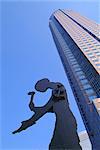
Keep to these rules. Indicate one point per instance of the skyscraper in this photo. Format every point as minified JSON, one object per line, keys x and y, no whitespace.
{"x":77,"y":41}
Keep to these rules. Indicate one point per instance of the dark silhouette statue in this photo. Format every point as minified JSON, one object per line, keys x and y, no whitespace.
{"x":65,"y":133}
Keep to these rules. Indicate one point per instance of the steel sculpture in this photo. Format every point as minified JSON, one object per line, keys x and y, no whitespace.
{"x":65,"y":133}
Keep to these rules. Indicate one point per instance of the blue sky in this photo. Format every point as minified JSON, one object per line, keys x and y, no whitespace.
{"x":29,"y":54}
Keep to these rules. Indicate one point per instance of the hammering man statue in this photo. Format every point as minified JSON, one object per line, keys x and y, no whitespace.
{"x":65,"y":133}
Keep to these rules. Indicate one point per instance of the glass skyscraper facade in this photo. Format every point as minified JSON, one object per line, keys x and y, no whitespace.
{"x":78,"y":44}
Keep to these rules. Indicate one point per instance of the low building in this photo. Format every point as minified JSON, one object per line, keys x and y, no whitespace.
{"x":84,"y":141}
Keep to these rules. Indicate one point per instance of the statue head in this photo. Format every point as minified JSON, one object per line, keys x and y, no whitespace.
{"x":43,"y":84}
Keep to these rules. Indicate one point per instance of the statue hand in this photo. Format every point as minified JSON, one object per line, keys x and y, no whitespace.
{"x":25,"y":125}
{"x":31,"y":93}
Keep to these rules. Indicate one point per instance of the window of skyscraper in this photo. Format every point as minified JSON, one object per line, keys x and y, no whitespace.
{"x":77,"y":69}
{"x":97,"y":52}
{"x":80,"y":73}
{"x":86,"y":50}
{"x":92,"y":97}
{"x":94,"y":49}
{"x":84,"y":81}
{"x":86,"y":86}
{"x":91,"y":46}
{"x":90,"y":54}
{"x":95,"y":60}
{"x":75,"y":65}
{"x":89,"y":91}
{"x":97,"y":64}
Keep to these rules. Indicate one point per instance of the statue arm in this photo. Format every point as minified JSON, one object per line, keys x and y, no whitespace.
{"x":31,"y":104}
{"x":38,"y":114}
{"x":32,"y":107}
{"x":36,"y":109}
